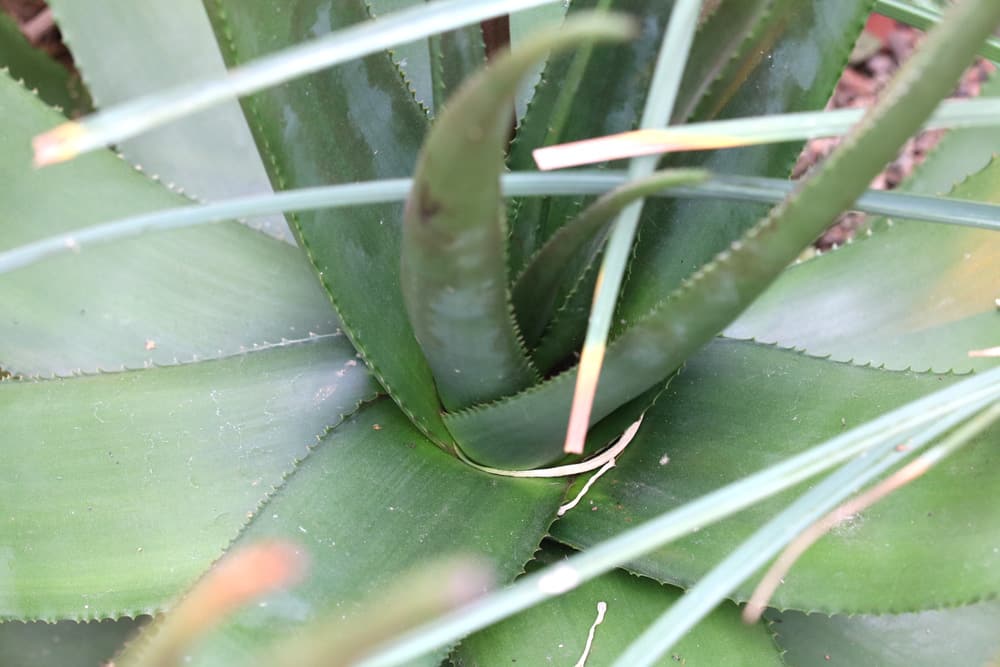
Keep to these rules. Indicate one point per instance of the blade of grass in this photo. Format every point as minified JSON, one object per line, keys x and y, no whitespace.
{"x":905,"y":475}
{"x":766,"y":542}
{"x":728,"y":500}
{"x":520,"y":184}
{"x":131,"y":118}
{"x":752,"y":131}
{"x":659,"y":107}
{"x":925,"y":19}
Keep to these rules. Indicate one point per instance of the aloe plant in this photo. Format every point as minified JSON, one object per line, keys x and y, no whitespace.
{"x":393,"y":388}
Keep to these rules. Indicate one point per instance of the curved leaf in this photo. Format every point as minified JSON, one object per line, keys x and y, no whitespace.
{"x":353,"y":122}
{"x":610,"y":83}
{"x":131,"y":304}
{"x":764,"y":404}
{"x":147,"y":475}
{"x":454,"y":269}
{"x":556,"y":631}
{"x":790,"y":60}
{"x":374,"y":499}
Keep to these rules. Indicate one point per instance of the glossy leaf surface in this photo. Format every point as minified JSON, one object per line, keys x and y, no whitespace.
{"x":795,"y":51}
{"x":956,"y":636}
{"x":610,"y":83}
{"x":147,"y":475}
{"x":354,"y":122}
{"x":195,"y":293}
{"x":764,"y":404}
{"x":372,"y":501}
{"x":556,"y":632}
{"x":127,"y":49}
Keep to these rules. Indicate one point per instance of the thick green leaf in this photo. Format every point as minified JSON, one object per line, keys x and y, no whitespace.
{"x":555,"y":270}
{"x":145,"y":476}
{"x":353,"y":122}
{"x":414,"y":58}
{"x":127,"y":49}
{"x":912,"y":295}
{"x":556,"y":632}
{"x":63,"y":644}
{"x":201,"y":292}
{"x":791,"y":59}
{"x":957,"y":636}
{"x":454,"y":268}
{"x":371,"y":502}
{"x":53,"y":81}
{"x":610,"y":84}
{"x":738,"y":407}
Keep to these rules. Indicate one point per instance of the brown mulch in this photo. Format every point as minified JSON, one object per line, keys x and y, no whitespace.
{"x":884,"y":46}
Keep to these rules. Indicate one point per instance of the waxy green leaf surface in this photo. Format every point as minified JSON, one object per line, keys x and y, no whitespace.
{"x":146,"y":476}
{"x":738,"y":407}
{"x":177,"y":296}
{"x":354,"y":122}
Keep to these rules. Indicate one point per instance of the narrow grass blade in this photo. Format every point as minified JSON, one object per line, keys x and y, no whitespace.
{"x":766,"y":542}
{"x":454,"y":265}
{"x":659,"y":108}
{"x":522,"y":184}
{"x":713,"y":135}
{"x":127,"y":120}
{"x":573,"y":248}
{"x":924,"y":18}
{"x":679,"y":522}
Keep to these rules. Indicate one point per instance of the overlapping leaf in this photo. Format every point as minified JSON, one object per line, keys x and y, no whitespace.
{"x":739,"y":407}
{"x":956,"y":636}
{"x":126,"y":49}
{"x":54,"y":82}
{"x":354,"y":122}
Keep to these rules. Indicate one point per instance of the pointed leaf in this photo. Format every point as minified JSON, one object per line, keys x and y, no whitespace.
{"x":790,"y":60}
{"x":454,"y":269}
{"x":353,"y":122}
{"x":764,"y":404}
{"x":374,"y":499}
{"x":131,"y":304}
{"x":553,"y":272}
{"x":147,"y":475}
{"x":556,"y":632}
